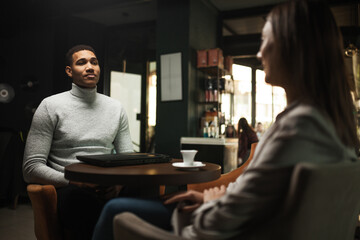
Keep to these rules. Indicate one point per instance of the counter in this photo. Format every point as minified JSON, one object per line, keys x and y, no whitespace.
{"x":222,"y":151}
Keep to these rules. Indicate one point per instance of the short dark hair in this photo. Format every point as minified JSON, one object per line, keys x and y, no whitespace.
{"x":77,"y":48}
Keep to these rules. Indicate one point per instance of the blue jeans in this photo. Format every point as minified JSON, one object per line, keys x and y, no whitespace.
{"x":152,"y":211}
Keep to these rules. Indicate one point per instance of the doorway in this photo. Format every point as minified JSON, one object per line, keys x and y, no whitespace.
{"x":151,"y":107}
{"x":138,"y":97}
{"x":126,"y":87}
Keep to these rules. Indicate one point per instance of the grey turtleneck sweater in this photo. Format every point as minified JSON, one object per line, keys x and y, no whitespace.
{"x":77,"y":122}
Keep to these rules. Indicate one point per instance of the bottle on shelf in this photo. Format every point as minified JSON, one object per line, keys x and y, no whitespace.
{"x":206,"y":130}
{"x":213,"y":128}
{"x":215,"y":95}
{"x":212,"y":131}
{"x":216,"y":127}
{"x":209,"y":94}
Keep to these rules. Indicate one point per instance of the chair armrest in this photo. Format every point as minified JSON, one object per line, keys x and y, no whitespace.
{"x":225,"y":179}
{"x":44,"y":203}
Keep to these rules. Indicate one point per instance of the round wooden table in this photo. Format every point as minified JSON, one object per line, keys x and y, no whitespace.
{"x":140,"y":175}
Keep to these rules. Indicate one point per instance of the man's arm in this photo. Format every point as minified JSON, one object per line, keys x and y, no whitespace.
{"x":38,"y":144}
{"x":123,"y":141}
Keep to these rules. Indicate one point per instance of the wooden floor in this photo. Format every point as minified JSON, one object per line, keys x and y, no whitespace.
{"x":17,"y":224}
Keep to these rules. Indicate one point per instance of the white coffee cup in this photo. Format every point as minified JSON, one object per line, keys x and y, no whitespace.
{"x":188,"y":156}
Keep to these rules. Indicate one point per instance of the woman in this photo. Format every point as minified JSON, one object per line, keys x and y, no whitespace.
{"x":301,"y":51}
{"x":247,"y":136}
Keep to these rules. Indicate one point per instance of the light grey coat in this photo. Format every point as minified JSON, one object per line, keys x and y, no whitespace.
{"x":300,"y":134}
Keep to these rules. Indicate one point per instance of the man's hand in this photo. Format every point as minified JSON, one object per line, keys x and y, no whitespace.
{"x":214,"y":193}
{"x":191,"y":200}
{"x":104,"y":192}
{"x":110,"y":192}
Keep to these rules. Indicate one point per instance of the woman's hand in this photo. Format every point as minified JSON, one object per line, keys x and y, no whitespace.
{"x":191,"y":200}
{"x":214,"y":193}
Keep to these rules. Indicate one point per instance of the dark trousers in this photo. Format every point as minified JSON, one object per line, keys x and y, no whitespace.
{"x":151,"y":210}
{"x":78,"y":210}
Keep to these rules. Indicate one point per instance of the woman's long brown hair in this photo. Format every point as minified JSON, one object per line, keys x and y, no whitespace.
{"x":244,"y":125}
{"x":311,"y":49}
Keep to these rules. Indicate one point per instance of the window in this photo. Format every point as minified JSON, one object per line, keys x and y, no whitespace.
{"x":242,"y":92}
{"x":152,"y":82}
{"x":270,"y":101}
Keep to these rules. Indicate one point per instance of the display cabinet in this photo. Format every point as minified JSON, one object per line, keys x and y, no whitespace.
{"x":214,"y":83}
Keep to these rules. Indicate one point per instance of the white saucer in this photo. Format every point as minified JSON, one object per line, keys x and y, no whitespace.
{"x":183,"y":166}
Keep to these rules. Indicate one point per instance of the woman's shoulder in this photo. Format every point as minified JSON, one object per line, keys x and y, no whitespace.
{"x":301,"y":112}
{"x":307,"y":121}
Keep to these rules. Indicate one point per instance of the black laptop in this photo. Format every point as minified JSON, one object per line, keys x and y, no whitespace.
{"x":123,"y":159}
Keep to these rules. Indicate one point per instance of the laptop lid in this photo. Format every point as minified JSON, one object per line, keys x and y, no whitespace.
{"x":123,"y":159}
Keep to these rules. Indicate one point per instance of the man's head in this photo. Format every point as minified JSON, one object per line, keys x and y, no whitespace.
{"x":82,"y":66}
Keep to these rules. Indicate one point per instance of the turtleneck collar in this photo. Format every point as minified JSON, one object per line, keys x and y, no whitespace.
{"x":88,"y":94}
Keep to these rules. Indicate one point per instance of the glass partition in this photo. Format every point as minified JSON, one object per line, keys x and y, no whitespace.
{"x":270,"y":101}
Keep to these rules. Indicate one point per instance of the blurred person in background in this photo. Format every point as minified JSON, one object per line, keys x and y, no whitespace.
{"x":259,"y":129}
{"x":247,"y":136}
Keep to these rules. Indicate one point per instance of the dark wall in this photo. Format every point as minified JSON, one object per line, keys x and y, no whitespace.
{"x":134,"y":43}
{"x":26,"y":56}
{"x":33,"y":47}
{"x":182,"y":26}
{"x":68,"y":32}
{"x":129,"y":47}
{"x":171,"y":118}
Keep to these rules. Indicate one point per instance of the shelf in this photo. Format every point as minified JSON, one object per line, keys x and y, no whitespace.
{"x":213,"y":102}
{"x":213,"y":71}
{"x":212,"y":85}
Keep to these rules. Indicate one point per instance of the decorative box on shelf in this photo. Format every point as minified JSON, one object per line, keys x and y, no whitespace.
{"x":210,"y":58}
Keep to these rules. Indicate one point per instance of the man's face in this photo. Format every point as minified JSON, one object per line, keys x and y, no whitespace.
{"x":84,"y":70}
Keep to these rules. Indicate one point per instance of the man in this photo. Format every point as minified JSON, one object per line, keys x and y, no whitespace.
{"x":77,"y":122}
{"x":259,"y":130}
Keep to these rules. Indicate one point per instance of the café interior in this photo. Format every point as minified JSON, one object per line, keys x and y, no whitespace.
{"x":212,"y":43}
